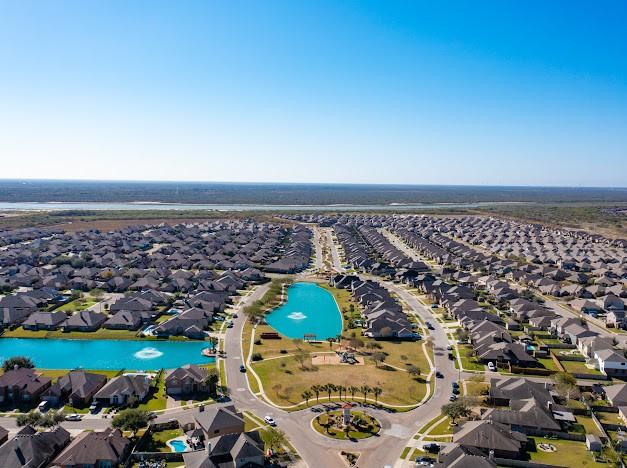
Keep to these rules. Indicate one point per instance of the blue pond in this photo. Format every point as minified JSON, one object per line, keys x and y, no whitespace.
{"x":309,"y":309}
{"x":105,"y":354}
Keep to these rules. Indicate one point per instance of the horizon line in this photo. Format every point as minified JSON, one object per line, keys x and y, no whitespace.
{"x":355,"y":184}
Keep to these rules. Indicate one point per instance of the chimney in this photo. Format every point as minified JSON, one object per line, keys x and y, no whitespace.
{"x":549,"y":405}
{"x":491,"y":455}
{"x":208,"y":447}
{"x":201,"y":408}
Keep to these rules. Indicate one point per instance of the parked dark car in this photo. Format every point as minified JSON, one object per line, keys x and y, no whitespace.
{"x":432,"y":447}
{"x":242,"y":368}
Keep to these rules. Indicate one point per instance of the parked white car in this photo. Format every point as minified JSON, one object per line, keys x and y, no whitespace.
{"x":491,"y":367}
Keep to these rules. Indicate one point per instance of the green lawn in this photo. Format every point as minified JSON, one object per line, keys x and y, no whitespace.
{"x":156,"y":399}
{"x":81,"y":303}
{"x":569,"y":453}
{"x":157,"y":440}
{"x":548,"y":363}
{"x":585,"y":425}
{"x":442,"y":428}
{"x":469,"y":363}
{"x":578,"y":367}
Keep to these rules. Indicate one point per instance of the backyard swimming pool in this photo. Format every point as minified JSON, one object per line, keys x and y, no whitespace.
{"x":309,"y":309}
{"x":105,"y":354}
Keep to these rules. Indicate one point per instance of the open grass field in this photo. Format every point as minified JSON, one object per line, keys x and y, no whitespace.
{"x":284,"y":381}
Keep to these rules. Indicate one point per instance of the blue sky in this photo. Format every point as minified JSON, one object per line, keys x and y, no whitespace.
{"x":496,"y":92}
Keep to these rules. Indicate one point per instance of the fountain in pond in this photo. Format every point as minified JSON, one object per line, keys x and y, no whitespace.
{"x":297,"y":316}
{"x":148,"y":353}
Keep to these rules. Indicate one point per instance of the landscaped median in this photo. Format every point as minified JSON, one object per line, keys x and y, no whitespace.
{"x":356,"y":425}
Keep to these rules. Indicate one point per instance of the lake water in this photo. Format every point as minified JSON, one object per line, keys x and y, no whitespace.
{"x":105,"y":354}
{"x":309,"y":309}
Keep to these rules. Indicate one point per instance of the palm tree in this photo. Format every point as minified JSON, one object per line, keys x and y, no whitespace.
{"x":330,"y":340}
{"x":307,"y":394}
{"x":365,"y":389}
{"x":317,"y":389}
{"x":330,"y":388}
{"x":377,"y":391}
{"x":341,"y":388}
{"x":353,"y":390}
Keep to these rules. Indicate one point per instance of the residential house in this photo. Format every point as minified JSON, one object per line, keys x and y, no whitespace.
{"x":32,"y":449}
{"x":85,"y":321}
{"x":123,"y":389}
{"x":187,"y":380}
{"x":44,"y":321}
{"x":238,"y":450}
{"x":91,"y":449}
{"x":22,"y":384}
{"x":77,"y":387}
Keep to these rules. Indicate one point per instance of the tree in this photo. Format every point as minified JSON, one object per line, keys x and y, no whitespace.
{"x":377,"y":357}
{"x":298,"y":343}
{"x":352,"y":389}
{"x":31,"y":418}
{"x":307,"y":394}
{"x":213,"y":341}
{"x":131,"y":420}
{"x":565,"y":384}
{"x":340,"y":389}
{"x":377,"y":391}
{"x":413,"y":371}
{"x":301,"y":357}
{"x":365,"y":389}
{"x":456,"y":409}
{"x":211,"y":380}
{"x":52,"y":418}
{"x":330,"y":388}
{"x":356,"y":343}
{"x":275,"y":438}
{"x":370,"y":345}
{"x":19,"y":361}
{"x":317,"y":389}
{"x":331,"y":340}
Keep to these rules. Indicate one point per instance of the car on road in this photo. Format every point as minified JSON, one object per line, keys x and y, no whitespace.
{"x":229,"y":324}
{"x":439,"y":374}
{"x":73,"y":417}
{"x":455,"y":390}
{"x":234,"y":315}
{"x":451,"y":357}
{"x":432,"y":447}
{"x":270,"y":421}
{"x":491,"y":367}
{"x":425,"y":461}
{"x":453,"y":397}
{"x":429,"y":325}
{"x":242,"y":368}
{"x":449,"y":348}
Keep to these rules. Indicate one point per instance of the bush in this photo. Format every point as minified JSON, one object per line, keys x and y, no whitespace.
{"x":283,"y":351}
{"x":258,"y":342}
{"x":256,"y":357}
